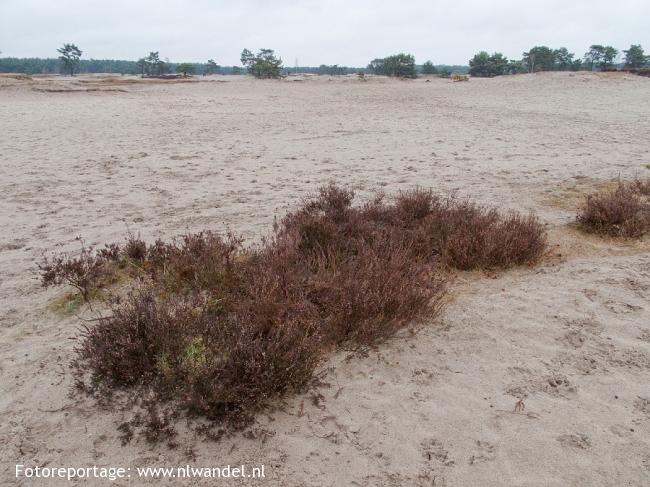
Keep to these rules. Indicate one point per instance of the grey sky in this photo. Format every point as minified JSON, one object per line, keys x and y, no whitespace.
{"x":345,"y":32}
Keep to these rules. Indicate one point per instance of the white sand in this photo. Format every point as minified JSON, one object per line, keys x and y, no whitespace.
{"x":571,"y":337}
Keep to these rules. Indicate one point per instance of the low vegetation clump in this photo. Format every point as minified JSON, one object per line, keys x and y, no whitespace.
{"x":220,"y":330}
{"x":86,"y":272}
{"x":623,"y":212}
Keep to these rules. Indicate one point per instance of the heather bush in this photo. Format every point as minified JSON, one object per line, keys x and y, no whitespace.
{"x":194,"y":261}
{"x":85,"y":272}
{"x":135,"y":248}
{"x":220,"y":330}
{"x":624,"y":212}
{"x":642,"y":187}
{"x":473,"y":237}
{"x":223,"y":366}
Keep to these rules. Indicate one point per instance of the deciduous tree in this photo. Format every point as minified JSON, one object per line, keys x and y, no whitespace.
{"x":264,"y":64}
{"x":400,"y":65}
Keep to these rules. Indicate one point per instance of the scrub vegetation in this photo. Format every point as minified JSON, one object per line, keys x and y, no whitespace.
{"x":215,"y":329}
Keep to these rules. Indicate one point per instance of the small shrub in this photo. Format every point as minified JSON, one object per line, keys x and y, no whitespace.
{"x":110,"y":253}
{"x":473,"y":237}
{"x":85,"y":272}
{"x":624,"y":212}
{"x":642,"y":187}
{"x":135,"y":248}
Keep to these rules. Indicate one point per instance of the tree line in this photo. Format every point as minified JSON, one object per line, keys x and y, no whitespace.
{"x":265,"y":64}
{"x":543,"y":58}
{"x":116,"y":66}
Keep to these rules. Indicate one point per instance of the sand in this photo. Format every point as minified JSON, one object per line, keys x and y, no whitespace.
{"x":94,"y":156}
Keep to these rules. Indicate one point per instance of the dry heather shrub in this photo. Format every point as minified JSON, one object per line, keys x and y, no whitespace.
{"x":135,"y":248}
{"x":218,"y":365}
{"x":194,"y":261}
{"x":465,"y":235}
{"x":219,"y":331}
{"x":642,"y":187}
{"x":87,"y":271}
{"x":624,"y":212}
{"x":369,"y":297}
{"x":474,"y":237}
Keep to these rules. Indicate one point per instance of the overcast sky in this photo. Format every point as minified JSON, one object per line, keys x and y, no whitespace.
{"x":344,"y":32}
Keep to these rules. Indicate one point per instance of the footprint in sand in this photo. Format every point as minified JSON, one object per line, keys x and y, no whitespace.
{"x":646,"y":462}
{"x":639,"y":288}
{"x":590,"y":294}
{"x":433,"y":449}
{"x":580,"y":331}
{"x":558,"y":385}
{"x":630,"y":358}
{"x":578,"y":440}
{"x":621,"y":308}
{"x":486,"y":452}
{"x":422,"y":377}
{"x":573,"y":339}
{"x":16,"y":244}
{"x":555,"y":385}
{"x":587,"y":325}
{"x":622,"y":430}
{"x":642,"y":405}
{"x":645,"y":336}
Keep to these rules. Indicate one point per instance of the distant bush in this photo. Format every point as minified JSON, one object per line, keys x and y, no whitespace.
{"x":624,"y":212}
{"x":399,"y":65}
{"x":428,"y":68}
{"x":185,"y":69}
{"x":332,"y":70}
{"x":484,"y":65}
{"x":219,"y":330}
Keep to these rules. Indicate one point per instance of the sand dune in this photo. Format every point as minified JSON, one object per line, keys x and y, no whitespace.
{"x":92,"y":156}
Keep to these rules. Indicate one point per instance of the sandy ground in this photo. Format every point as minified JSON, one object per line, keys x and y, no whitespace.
{"x":571,"y":338}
